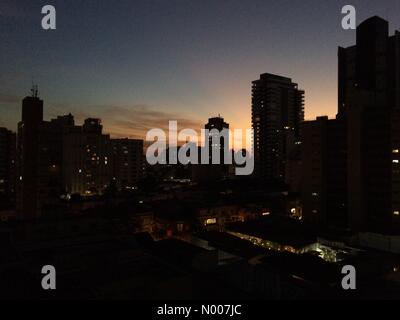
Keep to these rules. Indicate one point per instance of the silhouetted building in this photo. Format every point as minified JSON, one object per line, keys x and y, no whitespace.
{"x":368,"y":117}
{"x":88,"y":156}
{"x":28,"y":204}
{"x":52,"y":133}
{"x":128,"y":162}
{"x":7,"y":163}
{"x":369,"y":97}
{"x":277,"y":111}
{"x":217,"y":143}
{"x":324,"y":171}
{"x":39,"y":158}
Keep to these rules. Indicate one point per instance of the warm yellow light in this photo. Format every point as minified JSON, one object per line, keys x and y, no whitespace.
{"x":266,"y":213}
{"x":211,"y":221}
{"x":396,"y":151}
{"x":396,"y":213}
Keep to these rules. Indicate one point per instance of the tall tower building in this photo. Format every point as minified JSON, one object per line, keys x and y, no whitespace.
{"x":369,"y":91}
{"x":351,"y":163}
{"x":28,"y":205}
{"x":216,"y":141}
{"x":39,"y":159}
{"x":277,"y":112}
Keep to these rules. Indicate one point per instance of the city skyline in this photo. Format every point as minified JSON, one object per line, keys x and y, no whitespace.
{"x":108,"y":191}
{"x":194,"y":70}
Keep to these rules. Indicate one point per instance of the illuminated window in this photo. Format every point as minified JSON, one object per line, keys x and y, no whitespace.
{"x":395,"y":161}
{"x":396,"y":151}
{"x":396,"y":213}
{"x":211,"y":221}
{"x":266,"y":213}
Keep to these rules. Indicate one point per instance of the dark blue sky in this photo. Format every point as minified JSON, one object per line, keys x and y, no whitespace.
{"x":137,"y":64}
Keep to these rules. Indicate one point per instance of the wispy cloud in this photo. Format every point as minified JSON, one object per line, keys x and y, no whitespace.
{"x":137,"y":120}
{"x":132,"y":121}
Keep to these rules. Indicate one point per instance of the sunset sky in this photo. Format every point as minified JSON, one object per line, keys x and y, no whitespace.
{"x":138,"y":64}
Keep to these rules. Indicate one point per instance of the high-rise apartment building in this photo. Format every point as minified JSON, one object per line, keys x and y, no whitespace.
{"x":57,"y":157}
{"x":277,"y":112}
{"x":362,"y":170}
{"x":28,"y":160}
{"x":88,"y":167}
{"x":369,"y":97}
{"x":217,"y":142}
{"x":324,"y":172}
{"x":128,"y":162}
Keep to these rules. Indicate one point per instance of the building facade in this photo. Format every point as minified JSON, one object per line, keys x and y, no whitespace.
{"x":7,"y":163}
{"x":368,"y":119}
{"x":28,"y":160}
{"x":369,"y":97}
{"x":324,"y":170}
{"x":128,"y":162}
{"x":217,"y":141}
{"x":58,"y":158}
{"x":277,"y":112}
{"x":88,"y":167}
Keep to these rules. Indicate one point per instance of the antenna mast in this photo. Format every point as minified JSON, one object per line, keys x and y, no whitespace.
{"x":34,"y":90}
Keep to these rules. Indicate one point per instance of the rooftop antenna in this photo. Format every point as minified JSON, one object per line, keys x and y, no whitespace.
{"x":34,"y":90}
